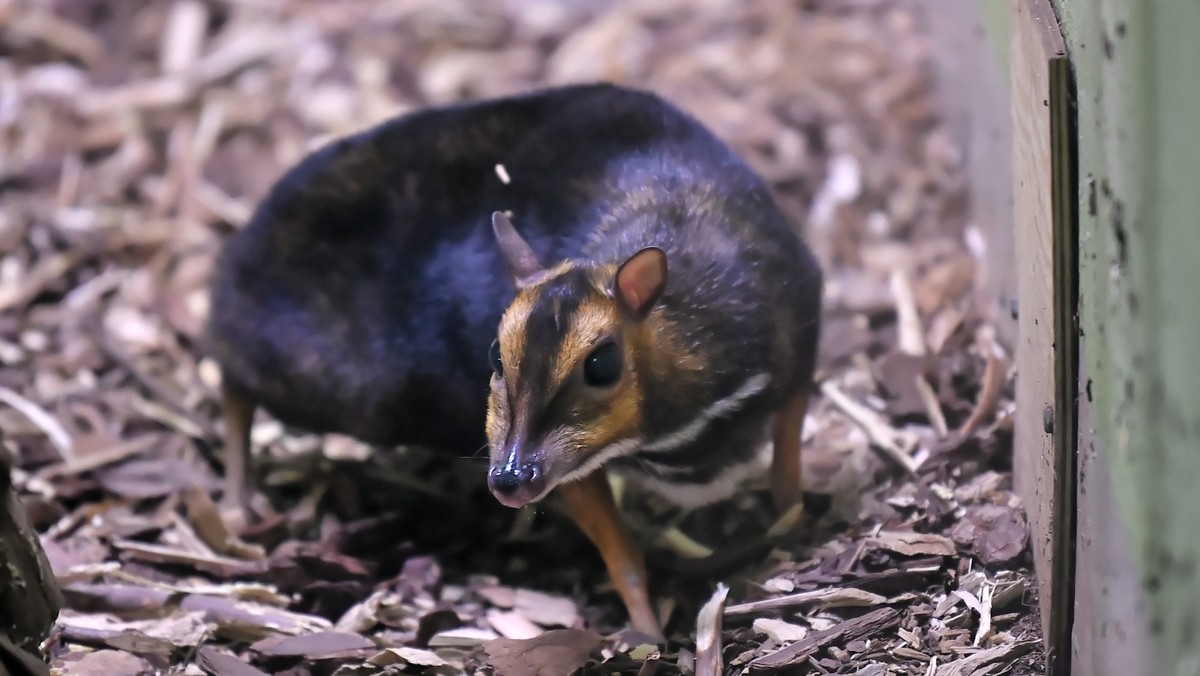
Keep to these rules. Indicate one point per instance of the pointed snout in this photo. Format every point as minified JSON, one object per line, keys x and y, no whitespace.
{"x":516,"y":481}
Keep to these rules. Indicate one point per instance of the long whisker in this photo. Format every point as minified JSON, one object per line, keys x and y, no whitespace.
{"x":475,"y":455}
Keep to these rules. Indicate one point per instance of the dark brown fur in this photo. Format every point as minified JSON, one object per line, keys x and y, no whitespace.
{"x":363,"y":295}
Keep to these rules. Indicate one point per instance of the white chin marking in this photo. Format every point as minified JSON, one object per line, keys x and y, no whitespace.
{"x":617,"y":449}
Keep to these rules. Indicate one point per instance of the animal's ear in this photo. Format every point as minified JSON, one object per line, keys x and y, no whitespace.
{"x":519,"y":259}
{"x":640,"y":281}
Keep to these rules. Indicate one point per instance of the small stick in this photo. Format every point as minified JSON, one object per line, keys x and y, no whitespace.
{"x":908,"y":321}
{"x":99,"y":458}
{"x":883,"y":436}
{"x":158,"y":389}
{"x":828,"y":598}
{"x":932,"y":407}
{"x":982,"y":605}
{"x":47,"y":423}
{"x":993,"y":382}
{"x":47,"y":270}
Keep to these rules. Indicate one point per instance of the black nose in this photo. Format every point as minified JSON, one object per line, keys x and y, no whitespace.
{"x":510,"y":478}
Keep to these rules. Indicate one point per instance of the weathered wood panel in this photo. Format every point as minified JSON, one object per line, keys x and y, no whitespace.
{"x":1043,"y":203}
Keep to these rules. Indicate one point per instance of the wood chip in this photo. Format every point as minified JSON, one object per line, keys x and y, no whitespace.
{"x":405,"y":655}
{"x":95,"y":459}
{"x":247,"y":621}
{"x":874,"y":622}
{"x":513,"y":625}
{"x":986,"y":662}
{"x":982,"y":607}
{"x":828,"y":598}
{"x":780,"y":631}
{"x":546,"y":609}
{"x":914,"y":544}
{"x":911,"y":335}
{"x":216,"y":662}
{"x":501,"y":597}
{"x":319,"y":645}
{"x":708,"y":634}
{"x":557,"y":652}
{"x":217,"y":565}
{"x":110,"y":663}
{"x":464,"y":637}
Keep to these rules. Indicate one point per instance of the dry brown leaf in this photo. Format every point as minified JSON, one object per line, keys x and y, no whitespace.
{"x":997,"y":534}
{"x":554,"y":653}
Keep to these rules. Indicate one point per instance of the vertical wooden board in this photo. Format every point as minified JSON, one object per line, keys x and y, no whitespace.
{"x":1042,"y":194}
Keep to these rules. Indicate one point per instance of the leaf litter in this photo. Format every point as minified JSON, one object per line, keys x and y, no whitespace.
{"x":136,"y":136}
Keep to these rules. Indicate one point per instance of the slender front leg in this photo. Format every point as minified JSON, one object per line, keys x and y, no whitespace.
{"x":786,"y":472}
{"x":590,"y":503}
{"x":238,"y":411}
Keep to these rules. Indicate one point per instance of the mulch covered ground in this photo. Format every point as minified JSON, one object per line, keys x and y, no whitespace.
{"x":136,"y":135}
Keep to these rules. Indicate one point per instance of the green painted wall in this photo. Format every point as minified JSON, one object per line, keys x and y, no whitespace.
{"x":1137,"y":66}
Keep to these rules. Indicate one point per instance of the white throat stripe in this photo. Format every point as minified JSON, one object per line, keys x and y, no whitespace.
{"x":720,"y":408}
{"x":680,"y":437}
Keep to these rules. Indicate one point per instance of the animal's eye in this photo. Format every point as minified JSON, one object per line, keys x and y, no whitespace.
{"x":603,"y":366}
{"x":494,"y":358}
